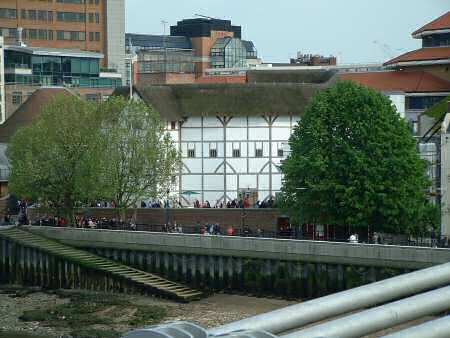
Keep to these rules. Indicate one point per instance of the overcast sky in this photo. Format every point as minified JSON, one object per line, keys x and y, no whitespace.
{"x":356,"y":31}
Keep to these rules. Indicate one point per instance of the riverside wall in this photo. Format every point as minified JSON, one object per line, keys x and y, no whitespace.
{"x":286,"y":268}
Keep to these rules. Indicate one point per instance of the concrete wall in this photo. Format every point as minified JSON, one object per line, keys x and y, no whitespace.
{"x":115,"y":39}
{"x":252,"y":248}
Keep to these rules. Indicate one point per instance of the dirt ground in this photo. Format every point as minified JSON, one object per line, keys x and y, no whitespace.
{"x":213,"y":311}
{"x":210,"y":312}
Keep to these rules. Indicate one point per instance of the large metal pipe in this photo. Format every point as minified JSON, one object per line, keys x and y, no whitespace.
{"x":382,"y":317}
{"x":299,"y":315}
{"x":435,"y":329}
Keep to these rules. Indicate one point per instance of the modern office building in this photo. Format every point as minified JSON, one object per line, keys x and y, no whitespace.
{"x":91,"y":25}
{"x":193,"y":46}
{"x":26,"y":69}
{"x":161,"y":59}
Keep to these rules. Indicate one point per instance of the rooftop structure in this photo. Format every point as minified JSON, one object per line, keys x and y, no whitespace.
{"x":195,"y":28}
{"x":435,"y":49}
{"x":26,"y":69}
{"x":148,"y":41}
{"x":58,"y":67}
{"x":193,"y":46}
{"x":96,"y":26}
{"x":395,"y":81}
{"x":313,"y":60}
{"x":440,"y":25}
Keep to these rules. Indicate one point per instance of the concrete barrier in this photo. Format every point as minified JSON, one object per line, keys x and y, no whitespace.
{"x":258,"y":248}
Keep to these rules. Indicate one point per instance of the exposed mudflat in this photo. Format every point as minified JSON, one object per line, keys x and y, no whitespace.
{"x":213,"y":311}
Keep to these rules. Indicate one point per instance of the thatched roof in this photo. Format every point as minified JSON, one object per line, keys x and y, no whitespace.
{"x":29,"y":111}
{"x":175,"y":102}
{"x":290,"y":76}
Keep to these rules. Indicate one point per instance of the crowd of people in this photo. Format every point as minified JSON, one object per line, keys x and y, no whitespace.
{"x":172,"y":203}
{"x":86,"y":222}
{"x":235,"y":204}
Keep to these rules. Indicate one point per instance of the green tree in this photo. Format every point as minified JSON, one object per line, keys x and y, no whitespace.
{"x":55,"y":160}
{"x":140,"y":158}
{"x":354,"y":163}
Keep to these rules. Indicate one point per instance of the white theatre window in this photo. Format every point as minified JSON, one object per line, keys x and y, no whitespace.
{"x":213,"y":150}
{"x":258,"y":149}
{"x":191,"y":150}
{"x":236,"y":149}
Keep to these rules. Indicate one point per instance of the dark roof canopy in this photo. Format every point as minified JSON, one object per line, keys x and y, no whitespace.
{"x":158,"y":41}
{"x":175,"y":102}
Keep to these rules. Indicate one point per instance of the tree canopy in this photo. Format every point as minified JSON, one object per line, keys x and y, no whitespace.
{"x":141,"y":160}
{"x":55,"y":160}
{"x":78,"y":151}
{"x":354,"y":162}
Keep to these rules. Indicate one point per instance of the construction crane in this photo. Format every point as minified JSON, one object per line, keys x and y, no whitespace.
{"x":206,"y":17}
{"x":385,"y":49}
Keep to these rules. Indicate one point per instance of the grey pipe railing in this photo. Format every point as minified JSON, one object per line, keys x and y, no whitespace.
{"x":382,"y":317}
{"x":296,"y":316}
{"x":439,"y":328}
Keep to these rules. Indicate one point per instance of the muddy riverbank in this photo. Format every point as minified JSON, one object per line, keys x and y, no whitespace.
{"x":34,"y":313}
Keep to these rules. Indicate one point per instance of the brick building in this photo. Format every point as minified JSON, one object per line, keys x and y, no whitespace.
{"x":193,"y":47}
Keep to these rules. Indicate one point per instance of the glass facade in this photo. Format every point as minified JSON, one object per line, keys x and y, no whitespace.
{"x":56,"y":71}
{"x":166,"y":61}
{"x":229,"y":53}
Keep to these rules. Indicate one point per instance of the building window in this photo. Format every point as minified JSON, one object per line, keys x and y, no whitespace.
{"x":78,"y":2}
{"x":280,"y":152}
{"x":74,"y":36}
{"x":258,"y":152}
{"x":191,"y":153}
{"x":213,"y":153}
{"x":32,"y":14}
{"x":236,"y":152}
{"x":173,"y":125}
{"x":91,"y":17}
{"x":71,"y":16}
{"x":97,"y":36}
{"x":8,"y":13}
{"x":97,"y":18}
{"x":422,"y":102}
{"x":17,"y":98}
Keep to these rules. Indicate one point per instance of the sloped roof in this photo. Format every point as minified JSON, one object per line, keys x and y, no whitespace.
{"x":158,"y":41}
{"x":44,"y":51}
{"x":403,"y":81}
{"x":29,"y":111}
{"x":174,"y":102}
{"x":441,"y":23}
{"x":423,"y":54}
{"x":291,"y":76}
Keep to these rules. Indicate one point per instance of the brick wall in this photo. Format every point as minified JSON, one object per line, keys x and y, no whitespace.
{"x":265,"y":219}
